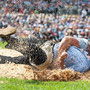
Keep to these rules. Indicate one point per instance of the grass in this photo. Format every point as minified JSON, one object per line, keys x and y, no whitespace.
{"x":16,"y":84}
{"x":3,"y":44}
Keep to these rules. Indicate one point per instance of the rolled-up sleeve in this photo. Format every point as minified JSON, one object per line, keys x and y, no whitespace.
{"x":83,"y":43}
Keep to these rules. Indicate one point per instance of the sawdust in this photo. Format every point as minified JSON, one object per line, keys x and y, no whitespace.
{"x":21,"y":71}
{"x":57,"y":75}
{"x":16,"y":71}
{"x":86,"y":76}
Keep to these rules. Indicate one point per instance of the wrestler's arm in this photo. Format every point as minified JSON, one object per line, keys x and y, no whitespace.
{"x":67,"y":42}
{"x":64,"y":46}
{"x":59,"y":61}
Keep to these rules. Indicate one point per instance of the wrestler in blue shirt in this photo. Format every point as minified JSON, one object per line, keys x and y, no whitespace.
{"x":76,"y":58}
{"x":70,"y":53}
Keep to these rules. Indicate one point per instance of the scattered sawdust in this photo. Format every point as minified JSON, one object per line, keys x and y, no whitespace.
{"x":57,"y":75}
{"x":86,"y":76}
{"x":16,"y":71}
{"x":21,"y":71}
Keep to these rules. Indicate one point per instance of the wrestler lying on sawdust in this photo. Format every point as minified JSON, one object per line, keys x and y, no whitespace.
{"x":70,"y":53}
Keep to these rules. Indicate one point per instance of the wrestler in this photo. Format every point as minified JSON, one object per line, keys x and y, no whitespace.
{"x":70,"y":53}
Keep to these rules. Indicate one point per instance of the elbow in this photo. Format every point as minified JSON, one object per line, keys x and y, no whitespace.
{"x":67,"y":38}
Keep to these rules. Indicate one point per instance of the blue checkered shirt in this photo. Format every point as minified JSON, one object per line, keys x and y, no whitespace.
{"x":75,"y":60}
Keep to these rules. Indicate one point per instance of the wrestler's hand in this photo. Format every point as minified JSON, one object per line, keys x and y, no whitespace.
{"x":58,"y":63}
{"x":63,"y":55}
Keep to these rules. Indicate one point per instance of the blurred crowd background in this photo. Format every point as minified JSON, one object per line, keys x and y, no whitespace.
{"x":47,"y":19}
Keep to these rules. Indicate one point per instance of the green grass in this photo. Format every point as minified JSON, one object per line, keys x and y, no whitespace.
{"x":3,"y":44}
{"x":16,"y":84}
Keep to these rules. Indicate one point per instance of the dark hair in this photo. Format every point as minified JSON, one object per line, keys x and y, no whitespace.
{"x":37,"y":55}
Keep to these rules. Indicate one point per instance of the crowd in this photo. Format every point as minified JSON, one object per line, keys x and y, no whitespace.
{"x":27,"y":20}
{"x":46,"y":6}
{"x":47,"y":26}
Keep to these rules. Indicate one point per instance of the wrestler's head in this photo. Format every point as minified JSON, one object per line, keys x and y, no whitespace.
{"x":41,"y":56}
